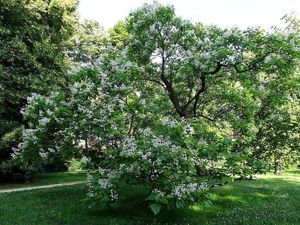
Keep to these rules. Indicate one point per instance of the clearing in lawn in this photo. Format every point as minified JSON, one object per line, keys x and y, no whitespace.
{"x":268,"y":200}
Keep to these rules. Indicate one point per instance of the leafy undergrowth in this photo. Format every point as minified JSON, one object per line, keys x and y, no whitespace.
{"x":268,"y":200}
{"x":47,"y":178}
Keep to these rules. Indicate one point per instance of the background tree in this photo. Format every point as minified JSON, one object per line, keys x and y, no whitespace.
{"x":32,"y":57}
{"x":118,"y":34}
{"x":277,"y":120}
{"x":278,"y":137}
{"x":87,"y":43}
{"x":33,"y":34}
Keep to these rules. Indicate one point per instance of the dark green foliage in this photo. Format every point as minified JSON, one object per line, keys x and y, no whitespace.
{"x":33,"y":37}
{"x":10,"y":170}
{"x":32,"y":58}
{"x":12,"y":138}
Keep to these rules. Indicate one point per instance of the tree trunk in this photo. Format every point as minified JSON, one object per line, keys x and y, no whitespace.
{"x":277,"y":165}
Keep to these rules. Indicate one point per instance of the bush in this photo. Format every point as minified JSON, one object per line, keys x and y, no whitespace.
{"x":24,"y":168}
{"x":10,"y":169}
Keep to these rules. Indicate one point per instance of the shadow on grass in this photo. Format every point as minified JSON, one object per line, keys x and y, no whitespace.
{"x":248,"y":194}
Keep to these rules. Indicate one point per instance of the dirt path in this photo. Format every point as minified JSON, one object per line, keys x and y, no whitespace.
{"x":40,"y":187}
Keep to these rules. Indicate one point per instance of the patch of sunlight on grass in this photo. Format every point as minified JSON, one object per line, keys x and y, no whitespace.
{"x":232,"y":198}
{"x":284,"y":176}
{"x":213,"y":196}
{"x":297,"y":179}
{"x":261,"y":195}
{"x":227,"y":187}
{"x":197,"y":208}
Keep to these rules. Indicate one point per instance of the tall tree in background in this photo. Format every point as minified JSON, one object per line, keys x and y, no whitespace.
{"x":33,"y":38}
{"x":118,"y":35}
{"x":87,"y":44}
{"x":90,"y":41}
{"x":278,"y":120}
{"x":33,"y":35}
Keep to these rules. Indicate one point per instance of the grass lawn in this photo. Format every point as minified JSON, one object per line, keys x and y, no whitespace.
{"x":47,"y":178}
{"x":268,"y":200}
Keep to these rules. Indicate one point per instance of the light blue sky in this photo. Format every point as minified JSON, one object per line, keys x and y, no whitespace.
{"x":226,"y":13}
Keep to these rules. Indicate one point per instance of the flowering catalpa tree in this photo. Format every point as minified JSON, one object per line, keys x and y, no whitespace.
{"x":88,"y":115}
{"x":173,"y":110}
{"x":219,"y":75}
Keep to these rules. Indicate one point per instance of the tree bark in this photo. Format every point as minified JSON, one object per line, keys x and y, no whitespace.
{"x":277,"y":165}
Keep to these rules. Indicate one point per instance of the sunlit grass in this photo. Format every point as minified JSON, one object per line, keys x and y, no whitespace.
{"x":290,"y":175}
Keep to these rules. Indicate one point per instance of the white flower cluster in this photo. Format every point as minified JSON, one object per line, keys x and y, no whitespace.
{"x":146,"y":156}
{"x":188,"y":189}
{"x":228,"y":33}
{"x":51,"y":150}
{"x":156,"y":191}
{"x":169,"y":122}
{"x":174,"y":148}
{"x":130,"y":169}
{"x":102,"y":171}
{"x":73,"y":88}
{"x":147,"y":131}
{"x":44,"y":121}
{"x":28,"y":136}
{"x":199,"y":161}
{"x":85,"y":110}
{"x":90,"y":184}
{"x":106,"y":176}
{"x":16,"y":152}
{"x":160,"y":141}
{"x":129,"y":146}
{"x":113,"y":195}
{"x":104,"y":183}
{"x":33,"y":97}
{"x":188,"y":129}
{"x":85,"y":159}
{"x":43,"y":153}
{"x":122,"y":87}
{"x":29,"y":133}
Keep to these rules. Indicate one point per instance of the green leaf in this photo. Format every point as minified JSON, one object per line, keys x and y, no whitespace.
{"x":179,"y":204}
{"x":150,"y":198}
{"x":163,"y":200}
{"x":155,"y":208}
{"x":207,"y":203}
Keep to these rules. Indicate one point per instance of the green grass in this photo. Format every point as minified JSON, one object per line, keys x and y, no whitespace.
{"x":47,"y":178}
{"x":268,"y":200}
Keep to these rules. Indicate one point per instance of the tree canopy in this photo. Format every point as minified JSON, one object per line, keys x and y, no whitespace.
{"x":32,"y":58}
{"x":33,"y":38}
